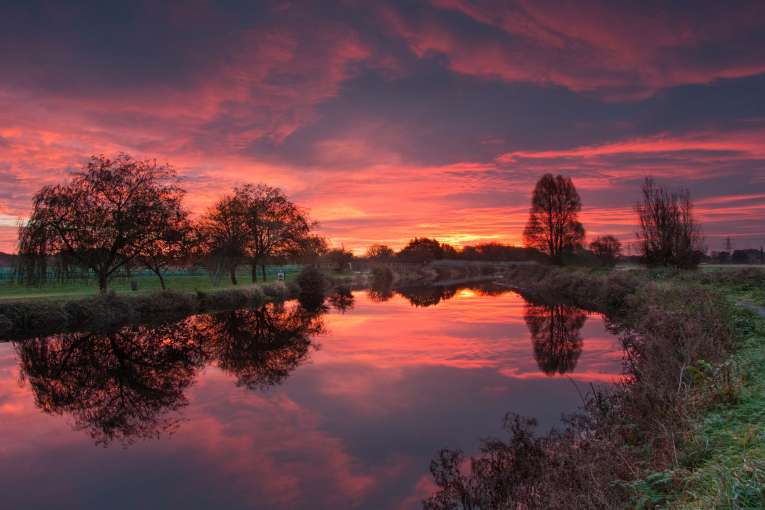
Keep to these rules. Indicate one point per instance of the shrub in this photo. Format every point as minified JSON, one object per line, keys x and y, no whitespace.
{"x":5,"y":325}
{"x":163,"y":303}
{"x":30,"y":316}
{"x":229,"y":299}
{"x":277,"y":291}
{"x":313,"y":287}
{"x":99,"y":312}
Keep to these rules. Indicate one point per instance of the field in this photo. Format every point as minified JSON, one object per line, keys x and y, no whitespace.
{"x":147,"y":283}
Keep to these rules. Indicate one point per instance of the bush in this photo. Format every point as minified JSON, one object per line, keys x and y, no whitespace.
{"x":313,"y":287}
{"x":163,"y":303}
{"x":5,"y":325}
{"x":230,"y":299}
{"x":30,"y":316}
{"x":277,"y":291}
{"x":98,"y":312}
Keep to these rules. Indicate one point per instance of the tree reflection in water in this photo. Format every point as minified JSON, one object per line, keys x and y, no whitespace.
{"x":555,"y":333}
{"x":261,"y":347}
{"x":428,"y":296}
{"x":122,"y":386}
{"x":131,"y":384}
{"x":342,"y":299}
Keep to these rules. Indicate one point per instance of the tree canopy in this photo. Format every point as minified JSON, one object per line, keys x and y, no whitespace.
{"x":105,"y":217}
{"x":553,"y":226}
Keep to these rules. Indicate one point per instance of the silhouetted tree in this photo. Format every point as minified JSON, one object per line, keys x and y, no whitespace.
{"x":555,"y":335}
{"x":669,"y":234}
{"x":339,"y":258}
{"x":380,"y":253}
{"x":173,"y":248}
{"x":276,"y":226}
{"x":422,"y":250}
{"x":105,"y":217}
{"x":606,"y":248}
{"x":224,"y":233}
{"x":553,"y":225}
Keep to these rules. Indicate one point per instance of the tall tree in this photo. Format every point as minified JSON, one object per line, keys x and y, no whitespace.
{"x":553,"y":225}
{"x":173,"y":248}
{"x":380,"y":253}
{"x":275,"y":225}
{"x":105,"y":216}
{"x":669,"y":234}
{"x":224,"y":235}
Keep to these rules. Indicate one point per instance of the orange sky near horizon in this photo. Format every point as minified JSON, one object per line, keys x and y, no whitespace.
{"x":396,"y":121}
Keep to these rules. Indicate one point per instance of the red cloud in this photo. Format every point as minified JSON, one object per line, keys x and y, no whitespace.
{"x":625,"y":52}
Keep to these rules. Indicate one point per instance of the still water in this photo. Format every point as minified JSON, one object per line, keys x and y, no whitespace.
{"x":278,"y":408}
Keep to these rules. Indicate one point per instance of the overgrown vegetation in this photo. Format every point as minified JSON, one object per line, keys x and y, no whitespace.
{"x":660,"y":437}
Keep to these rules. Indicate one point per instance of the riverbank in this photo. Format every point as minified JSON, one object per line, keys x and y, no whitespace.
{"x":683,"y":429}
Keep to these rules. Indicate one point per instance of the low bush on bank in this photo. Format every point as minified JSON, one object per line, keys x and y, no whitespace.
{"x":313,"y":287}
{"x":676,"y":339}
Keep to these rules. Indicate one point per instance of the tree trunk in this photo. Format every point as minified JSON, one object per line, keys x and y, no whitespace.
{"x":233,"y":275}
{"x":161,"y":280}
{"x":263,"y":271}
{"x":103,"y":282}
{"x":254,"y":268}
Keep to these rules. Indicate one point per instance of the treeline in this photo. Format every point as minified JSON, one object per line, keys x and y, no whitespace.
{"x":121,"y":213}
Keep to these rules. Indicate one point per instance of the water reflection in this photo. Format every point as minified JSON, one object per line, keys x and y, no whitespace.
{"x":351,"y":425}
{"x":260,"y":347}
{"x":555,"y":334}
{"x":422,"y":297}
{"x":129,"y":384}
{"x":342,"y":299}
{"x":117,"y":387}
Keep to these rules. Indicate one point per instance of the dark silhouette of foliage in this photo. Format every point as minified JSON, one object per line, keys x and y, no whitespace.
{"x":422,"y":250}
{"x":121,"y":386}
{"x":261,"y":347}
{"x":339,"y":258}
{"x":555,"y":334}
{"x":275,"y":226}
{"x":313,"y":288}
{"x":105,"y":217}
{"x":341,"y":299}
{"x":669,"y":234}
{"x":430,"y":295}
{"x":380,"y":253}
{"x":607,"y":249}
{"x":553,"y":225}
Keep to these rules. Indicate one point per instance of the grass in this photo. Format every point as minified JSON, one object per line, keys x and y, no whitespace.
{"x":147,"y":284}
{"x":731,"y":439}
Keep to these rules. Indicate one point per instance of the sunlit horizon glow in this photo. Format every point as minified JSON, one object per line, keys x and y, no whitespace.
{"x":389,"y":121}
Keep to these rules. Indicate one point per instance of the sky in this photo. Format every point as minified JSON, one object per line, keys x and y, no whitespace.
{"x":389,"y":120}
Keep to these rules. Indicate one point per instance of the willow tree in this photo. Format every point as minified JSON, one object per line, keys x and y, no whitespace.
{"x":553,"y":226}
{"x":105,"y":217}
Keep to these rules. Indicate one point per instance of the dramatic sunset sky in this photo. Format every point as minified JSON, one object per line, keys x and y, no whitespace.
{"x":394,"y":119}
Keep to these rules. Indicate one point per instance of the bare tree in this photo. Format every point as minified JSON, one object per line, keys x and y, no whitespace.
{"x":105,"y":216}
{"x":553,"y":225}
{"x":669,"y":234}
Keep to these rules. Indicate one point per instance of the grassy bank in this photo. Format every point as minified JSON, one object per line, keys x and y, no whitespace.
{"x":147,"y":284}
{"x":683,"y":429}
{"x":723,"y":464}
